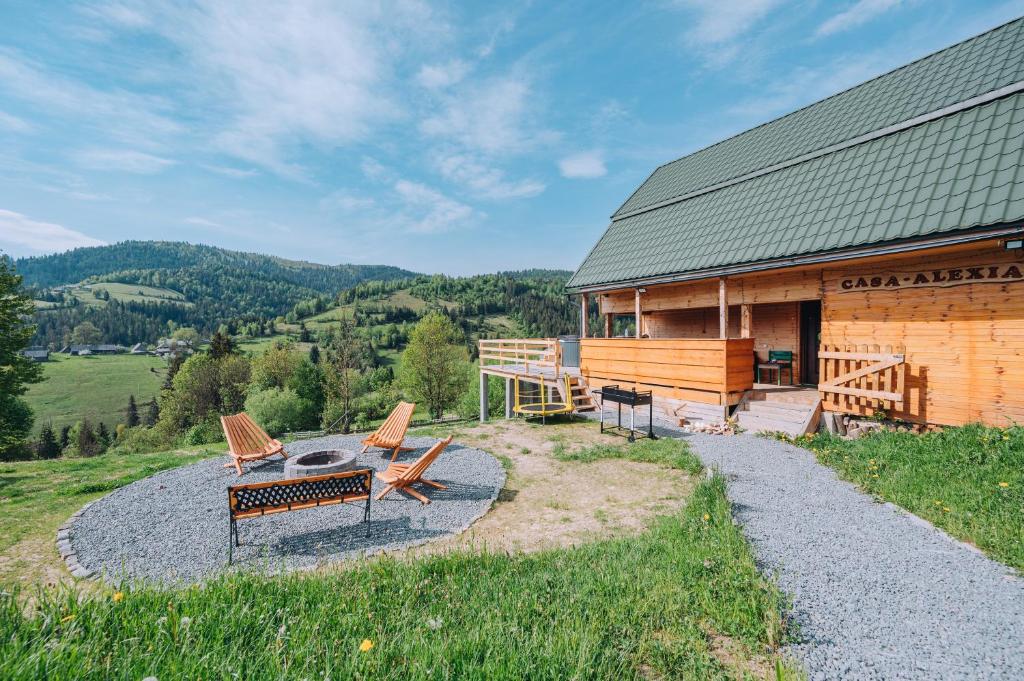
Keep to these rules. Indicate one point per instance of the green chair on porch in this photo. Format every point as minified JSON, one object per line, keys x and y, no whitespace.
{"x":777,"y":361}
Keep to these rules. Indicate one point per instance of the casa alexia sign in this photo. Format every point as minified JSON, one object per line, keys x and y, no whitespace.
{"x":947,"y":276}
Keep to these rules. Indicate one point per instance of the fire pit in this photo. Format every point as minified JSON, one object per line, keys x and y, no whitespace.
{"x":319,"y":463}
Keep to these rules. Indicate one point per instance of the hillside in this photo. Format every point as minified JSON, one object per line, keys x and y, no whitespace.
{"x":131,"y":290}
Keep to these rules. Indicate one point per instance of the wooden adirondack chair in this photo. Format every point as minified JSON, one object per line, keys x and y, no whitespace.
{"x":402,"y":476}
{"x":247,"y":441}
{"x":392,"y":431}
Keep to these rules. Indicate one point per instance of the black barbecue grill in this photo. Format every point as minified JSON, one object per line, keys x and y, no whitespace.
{"x":632,"y":399}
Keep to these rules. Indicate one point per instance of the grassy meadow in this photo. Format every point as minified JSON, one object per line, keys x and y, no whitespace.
{"x":683,"y":600}
{"x":36,"y":497}
{"x":94,"y":386}
{"x":969,"y":481}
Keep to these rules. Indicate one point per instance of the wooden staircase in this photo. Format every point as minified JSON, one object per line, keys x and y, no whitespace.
{"x":787,"y":409}
{"x":581,"y":398}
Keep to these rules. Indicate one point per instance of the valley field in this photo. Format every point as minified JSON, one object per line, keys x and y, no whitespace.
{"x":96,"y":387}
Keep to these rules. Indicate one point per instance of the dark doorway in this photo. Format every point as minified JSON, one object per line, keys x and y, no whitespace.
{"x":810,"y":338}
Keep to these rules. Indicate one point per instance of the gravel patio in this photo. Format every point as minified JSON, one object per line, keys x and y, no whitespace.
{"x":173,"y":526}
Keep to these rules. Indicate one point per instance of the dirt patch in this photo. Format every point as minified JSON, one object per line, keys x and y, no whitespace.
{"x":33,"y":561}
{"x":549,"y":503}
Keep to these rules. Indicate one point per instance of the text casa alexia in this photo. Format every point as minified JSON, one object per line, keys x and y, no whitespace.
{"x":941,"y":277}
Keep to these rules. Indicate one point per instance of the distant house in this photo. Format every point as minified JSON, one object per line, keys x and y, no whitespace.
{"x":93,"y":349}
{"x":169,"y":347}
{"x":37,"y":354}
{"x":139,"y":349}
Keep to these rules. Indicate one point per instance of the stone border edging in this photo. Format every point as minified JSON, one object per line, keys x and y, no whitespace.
{"x":67,"y":551}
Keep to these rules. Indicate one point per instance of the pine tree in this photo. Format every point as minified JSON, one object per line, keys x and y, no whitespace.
{"x":152,"y":413}
{"x":314,"y":354}
{"x":221,"y":345}
{"x":132,"y":413}
{"x":87,"y":444}
{"x":47,"y":447}
{"x":65,"y":437}
{"x":102,"y":437}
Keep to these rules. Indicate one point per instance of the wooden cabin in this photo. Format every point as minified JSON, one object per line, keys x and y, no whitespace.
{"x":874,"y":237}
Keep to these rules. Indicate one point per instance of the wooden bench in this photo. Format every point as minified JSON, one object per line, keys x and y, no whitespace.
{"x":258,"y":499}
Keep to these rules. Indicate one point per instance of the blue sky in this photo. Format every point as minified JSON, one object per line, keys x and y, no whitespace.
{"x":440,"y":137}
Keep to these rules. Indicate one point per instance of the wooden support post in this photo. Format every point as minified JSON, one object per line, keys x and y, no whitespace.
{"x":509,"y":398}
{"x":639,"y":314}
{"x":608,"y":323}
{"x":745,"y":320}
{"x":484,"y":404}
{"x":723,"y":309}
{"x":584,"y":305}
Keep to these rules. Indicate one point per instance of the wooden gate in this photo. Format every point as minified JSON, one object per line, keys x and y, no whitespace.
{"x":861,"y":378}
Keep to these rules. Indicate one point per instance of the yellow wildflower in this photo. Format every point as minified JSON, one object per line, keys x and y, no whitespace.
{"x":707,"y":517}
{"x":118,"y":596}
{"x":945,"y":509}
{"x":1004,"y":484}
{"x":365,"y":646}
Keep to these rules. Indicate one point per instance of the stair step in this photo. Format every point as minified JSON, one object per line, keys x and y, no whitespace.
{"x":777,"y":412}
{"x":779,"y":404}
{"x":754,"y":423}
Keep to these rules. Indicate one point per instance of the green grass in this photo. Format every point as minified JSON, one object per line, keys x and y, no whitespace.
{"x":666,"y":452}
{"x":36,"y":497}
{"x":95,"y":386}
{"x":135,"y":293}
{"x":654,"y":605}
{"x":951,"y":478}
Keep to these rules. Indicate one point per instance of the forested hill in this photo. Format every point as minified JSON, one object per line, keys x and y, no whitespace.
{"x":135,"y":262}
{"x":216,"y":286}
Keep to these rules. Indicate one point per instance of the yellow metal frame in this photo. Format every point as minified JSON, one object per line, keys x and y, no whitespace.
{"x":544,"y":407}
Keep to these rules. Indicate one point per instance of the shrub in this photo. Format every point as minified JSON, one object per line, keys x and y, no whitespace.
{"x":280,"y":410}
{"x":205,"y":433}
{"x":469,"y":404}
{"x":139,"y":440}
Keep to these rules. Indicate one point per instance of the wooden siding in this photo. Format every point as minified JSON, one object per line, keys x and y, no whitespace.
{"x":711,"y":371}
{"x":964,"y":344}
{"x":777,"y":287}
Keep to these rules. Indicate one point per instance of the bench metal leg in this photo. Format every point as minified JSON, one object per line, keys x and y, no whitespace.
{"x":366,"y":515}
{"x":232,"y":539}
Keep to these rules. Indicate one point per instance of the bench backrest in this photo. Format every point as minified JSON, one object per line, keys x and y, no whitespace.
{"x":244,"y":436}
{"x":780,"y":355}
{"x":261,"y":498}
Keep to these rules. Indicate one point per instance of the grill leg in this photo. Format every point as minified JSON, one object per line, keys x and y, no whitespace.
{"x":650,"y":421}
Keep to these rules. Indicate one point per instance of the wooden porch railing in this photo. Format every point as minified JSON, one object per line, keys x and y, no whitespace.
{"x":859,"y":378}
{"x":711,"y":371}
{"x":525,"y":353}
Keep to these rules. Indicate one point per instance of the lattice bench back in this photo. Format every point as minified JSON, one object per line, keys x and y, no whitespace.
{"x":263,"y":498}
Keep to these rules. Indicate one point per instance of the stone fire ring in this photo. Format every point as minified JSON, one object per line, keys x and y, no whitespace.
{"x":319,"y":463}
{"x":172,"y":527}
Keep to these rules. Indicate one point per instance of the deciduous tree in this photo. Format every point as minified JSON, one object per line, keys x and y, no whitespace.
{"x":435,"y":364}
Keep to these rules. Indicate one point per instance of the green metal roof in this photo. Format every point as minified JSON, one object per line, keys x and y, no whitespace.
{"x":819,"y":180}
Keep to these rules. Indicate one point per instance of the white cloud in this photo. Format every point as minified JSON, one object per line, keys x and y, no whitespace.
{"x":203,"y":222}
{"x":429,"y":211}
{"x":40,"y":237}
{"x":438,"y":76}
{"x":13,"y":123}
{"x":494,"y":116}
{"x":375,"y":170}
{"x":139,"y":119}
{"x":588,"y":164}
{"x":295,"y":73}
{"x":484,"y":181}
{"x":347,"y":202}
{"x":859,"y":13}
{"x":228,"y":171}
{"x":125,"y":160}
{"x":721,"y":21}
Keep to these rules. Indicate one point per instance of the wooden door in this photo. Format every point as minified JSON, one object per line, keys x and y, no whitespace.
{"x":810,"y":338}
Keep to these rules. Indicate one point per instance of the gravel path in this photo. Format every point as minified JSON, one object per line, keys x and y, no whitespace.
{"x":173,"y":526}
{"x":876,"y":592}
